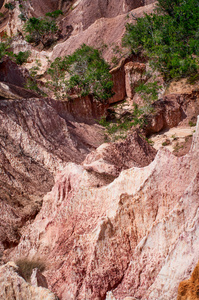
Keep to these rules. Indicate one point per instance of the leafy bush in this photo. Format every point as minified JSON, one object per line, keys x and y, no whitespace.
{"x":4,"y":46}
{"x":9,"y":6}
{"x":22,"y":17}
{"x":55,"y":14}
{"x":25,"y":267}
{"x":170,"y":39}
{"x":88,"y":74}
{"x":38,"y":28}
{"x":148,"y":91}
{"x":22,"y":57}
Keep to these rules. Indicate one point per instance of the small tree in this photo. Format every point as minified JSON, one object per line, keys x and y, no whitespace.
{"x":22,"y":57}
{"x":38,"y":28}
{"x":87,"y":72}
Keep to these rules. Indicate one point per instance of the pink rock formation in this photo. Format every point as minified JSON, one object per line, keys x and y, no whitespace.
{"x":168,"y":112}
{"x":84,"y":13}
{"x":38,"y":279}
{"x":104,"y":31}
{"x":134,"y":76}
{"x":11,"y":73}
{"x":136,"y":237}
{"x":14,"y":287}
{"x":36,"y":141}
{"x":112,"y":158}
{"x":119,"y":89}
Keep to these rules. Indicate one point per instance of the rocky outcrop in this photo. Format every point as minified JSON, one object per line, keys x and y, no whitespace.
{"x":118,"y":77}
{"x":14,"y":287}
{"x":113,"y":158}
{"x":136,"y":237}
{"x":168,"y":112}
{"x":11,"y":73}
{"x":189,"y":289}
{"x":134,"y":76}
{"x":85,"y":12}
{"x":104,"y":34}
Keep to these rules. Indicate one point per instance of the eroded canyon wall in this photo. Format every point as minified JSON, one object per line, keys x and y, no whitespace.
{"x":137,"y":236}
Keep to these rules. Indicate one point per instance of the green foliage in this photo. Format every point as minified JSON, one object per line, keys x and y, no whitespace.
{"x":22,"y":57}
{"x":38,"y":28}
{"x":25,"y":267}
{"x":148,"y":91}
{"x":116,"y":129}
{"x":170,"y":39}
{"x":55,"y":14}
{"x":4,"y":46}
{"x":192,"y":124}
{"x":9,"y":6}
{"x":87,"y":73}
{"x":22,"y":17}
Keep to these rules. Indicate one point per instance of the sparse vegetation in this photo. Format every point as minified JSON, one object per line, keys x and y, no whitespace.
{"x":117,"y":129}
{"x":55,"y":14}
{"x":22,"y":57}
{"x":4,"y":46}
{"x":192,"y":124}
{"x":84,"y":72}
{"x":25,"y":267}
{"x":177,"y":147}
{"x":22,"y":17}
{"x":148,"y":91}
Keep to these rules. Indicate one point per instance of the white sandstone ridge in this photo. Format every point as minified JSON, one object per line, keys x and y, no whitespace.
{"x":135,"y":237}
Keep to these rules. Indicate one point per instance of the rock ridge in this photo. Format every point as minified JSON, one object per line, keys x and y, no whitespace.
{"x":119,"y":239}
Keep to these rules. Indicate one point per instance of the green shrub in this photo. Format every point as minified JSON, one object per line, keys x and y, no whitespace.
{"x":170,"y":39}
{"x":88,"y":72}
{"x":3,"y":49}
{"x":22,"y":17}
{"x":22,"y":57}
{"x":55,"y":14}
{"x":25,"y":267}
{"x":192,"y":124}
{"x":37,"y":29}
{"x":9,"y":6}
{"x":148,"y":91}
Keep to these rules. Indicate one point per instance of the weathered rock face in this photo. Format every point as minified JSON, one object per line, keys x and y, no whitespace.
{"x":136,"y":237}
{"x":14,"y":287}
{"x":35,"y":142}
{"x":134,"y":76}
{"x":119,"y":89}
{"x":11,"y":73}
{"x":168,"y":112}
{"x":113,"y":158}
{"x":188,"y":289}
{"x":106,"y":32}
{"x":86,"y":12}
